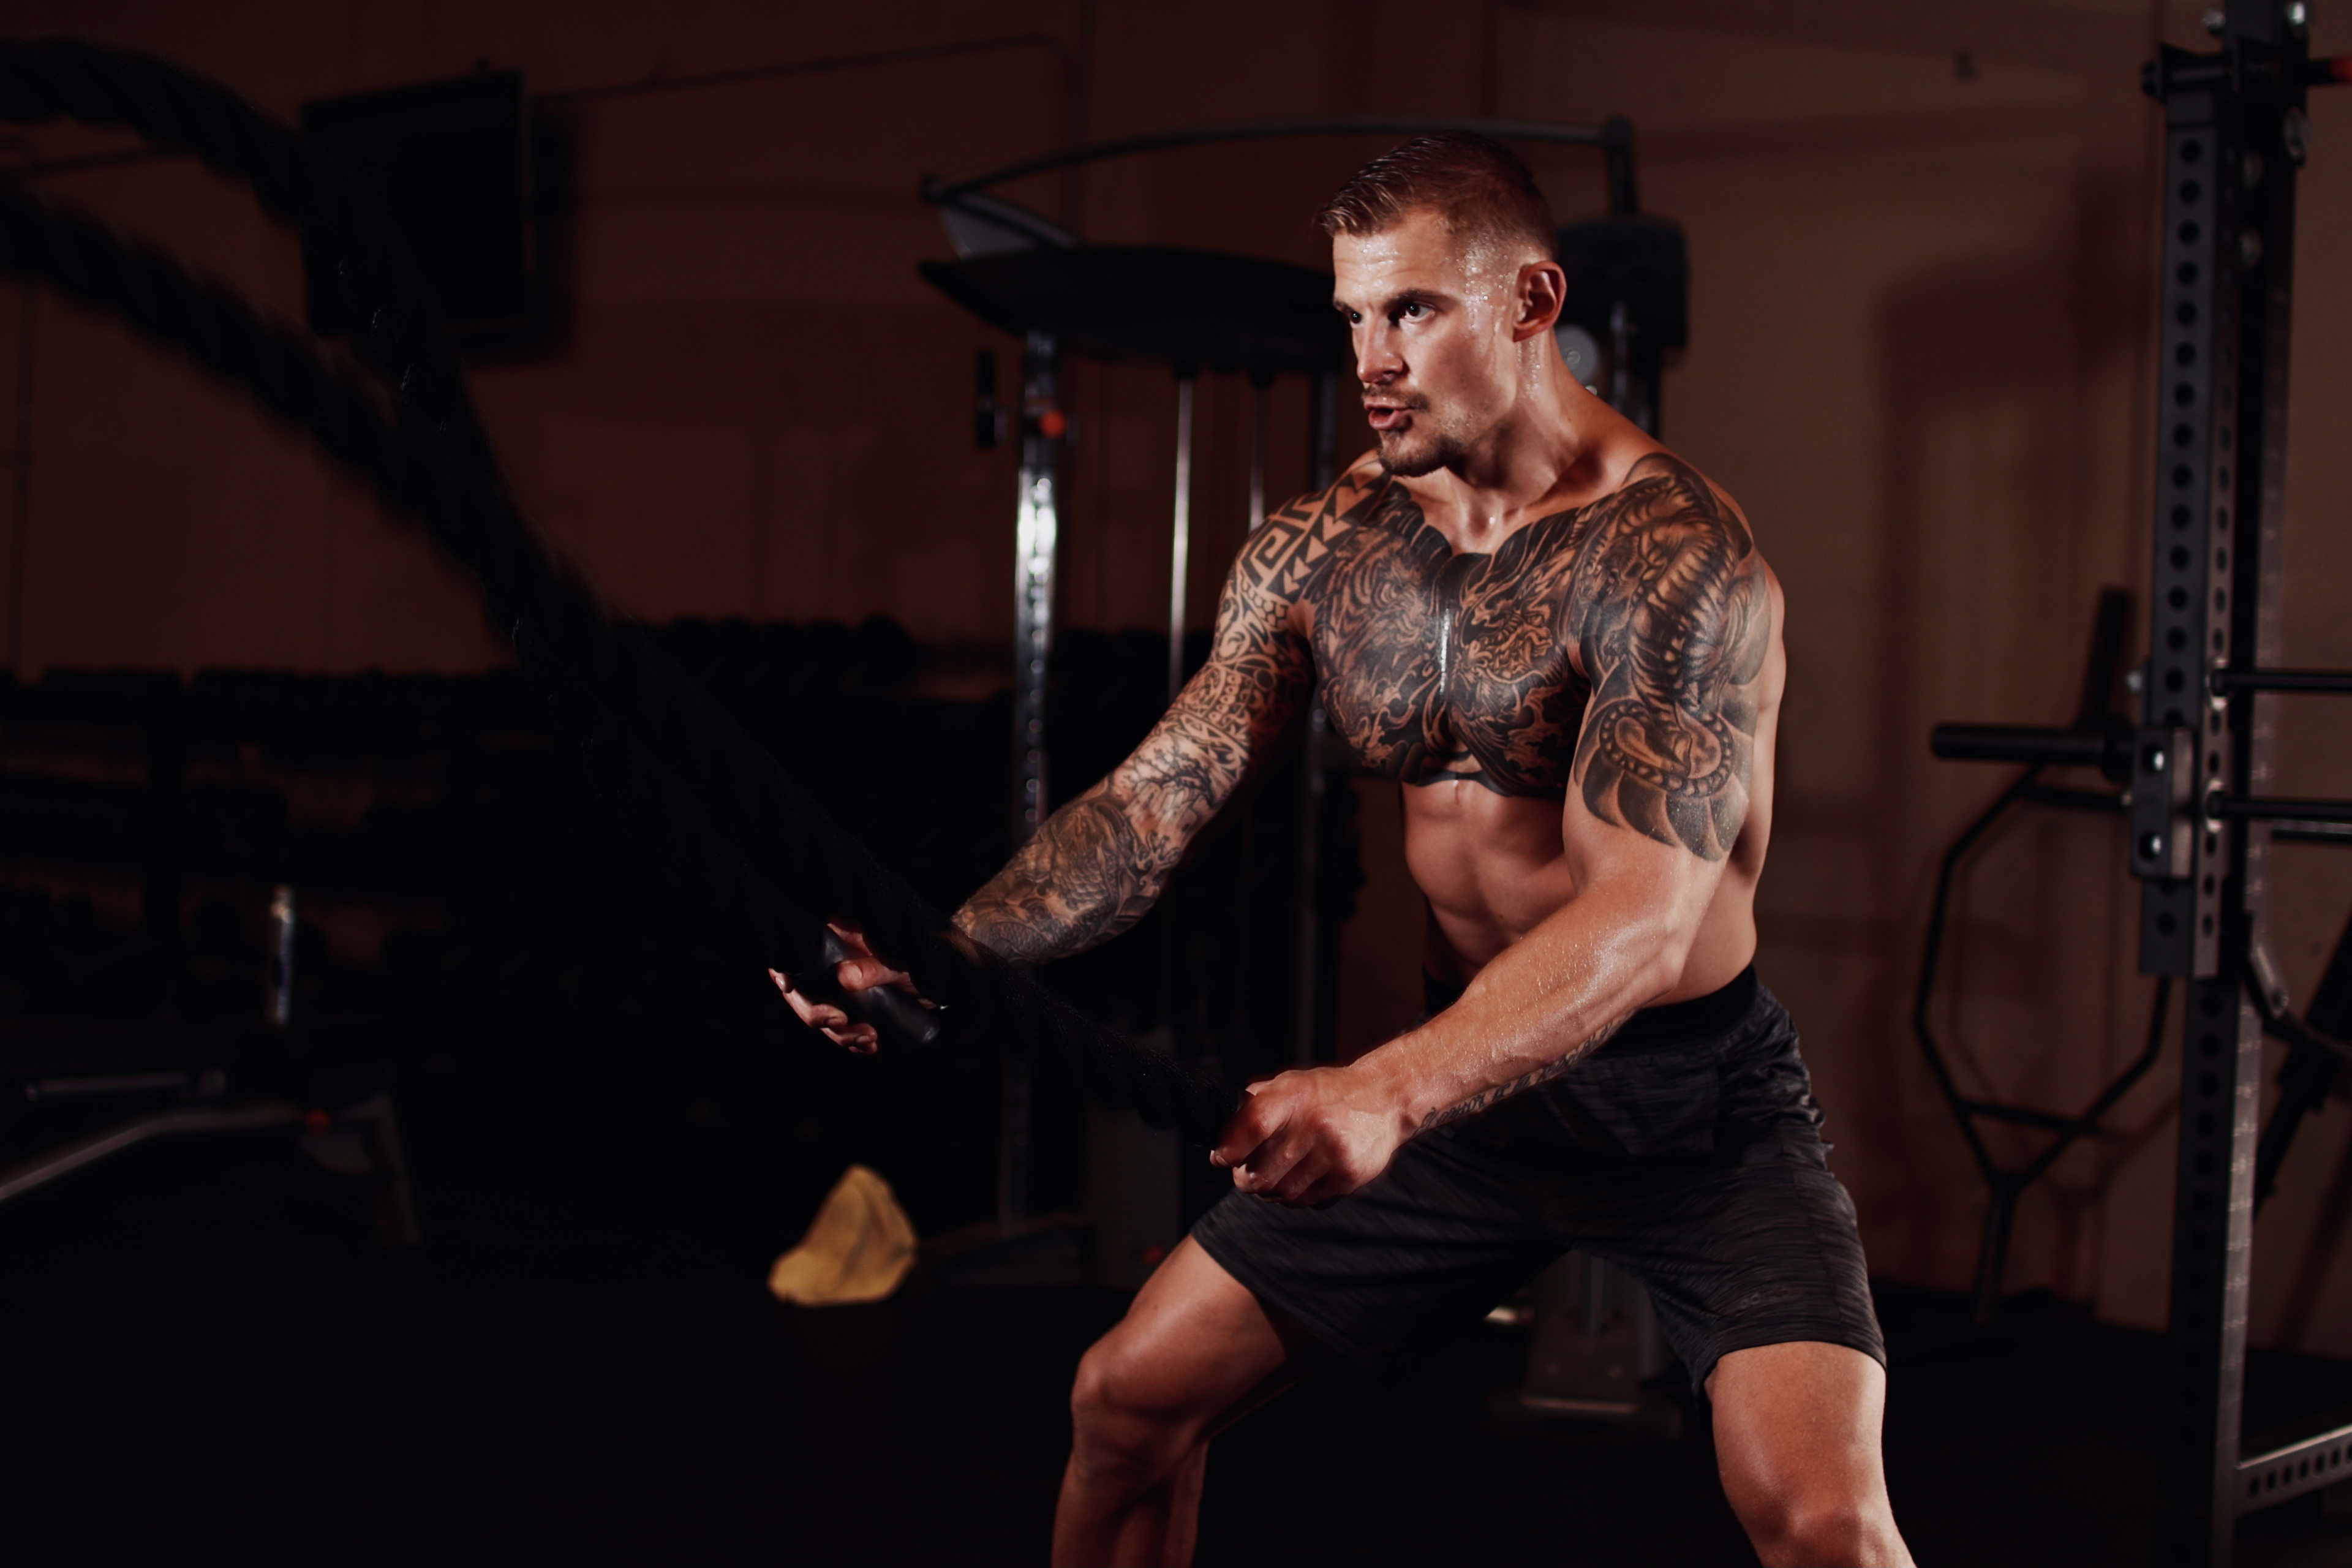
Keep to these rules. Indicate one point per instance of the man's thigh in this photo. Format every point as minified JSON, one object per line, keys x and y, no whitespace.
{"x":1196,"y":1346}
{"x":1438,"y":1238}
{"x":1797,"y":1433}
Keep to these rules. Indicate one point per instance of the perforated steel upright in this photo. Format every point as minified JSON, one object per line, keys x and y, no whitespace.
{"x":1037,"y":528}
{"x":2232,"y":142}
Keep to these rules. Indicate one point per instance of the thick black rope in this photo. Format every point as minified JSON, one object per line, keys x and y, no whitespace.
{"x":743,"y":826}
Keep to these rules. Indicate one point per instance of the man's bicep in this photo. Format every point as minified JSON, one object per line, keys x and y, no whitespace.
{"x":1258,"y":672}
{"x":1229,"y":714}
{"x":1676,"y":628}
{"x":1260,"y":649}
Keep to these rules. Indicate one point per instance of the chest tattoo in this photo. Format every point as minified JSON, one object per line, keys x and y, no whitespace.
{"x":1437,"y":665}
{"x":1615,"y":646}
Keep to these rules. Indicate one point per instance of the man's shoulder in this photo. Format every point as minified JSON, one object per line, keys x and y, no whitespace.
{"x":1291,"y":548}
{"x":1360,"y":492}
{"x":1660,"y":487}
{"x":1672,"y":538}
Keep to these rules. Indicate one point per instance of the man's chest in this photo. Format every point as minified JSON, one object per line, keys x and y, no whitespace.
{"x":1444,"y":664}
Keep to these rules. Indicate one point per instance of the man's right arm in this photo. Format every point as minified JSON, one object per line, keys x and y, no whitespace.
{"x":1102,"y":860}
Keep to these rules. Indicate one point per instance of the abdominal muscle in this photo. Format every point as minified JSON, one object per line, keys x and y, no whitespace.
{"x":1492,"y":869}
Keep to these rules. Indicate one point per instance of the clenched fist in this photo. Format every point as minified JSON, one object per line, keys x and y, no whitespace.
{"x":1312,"y":1135}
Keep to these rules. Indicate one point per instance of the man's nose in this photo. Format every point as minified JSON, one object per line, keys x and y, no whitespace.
{"x":1377,"y":361}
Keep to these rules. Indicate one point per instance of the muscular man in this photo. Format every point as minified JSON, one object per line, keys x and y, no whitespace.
{"x":1562,"y":640}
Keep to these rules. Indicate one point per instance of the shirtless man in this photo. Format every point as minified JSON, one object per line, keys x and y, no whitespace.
{"x":1562,"y":640}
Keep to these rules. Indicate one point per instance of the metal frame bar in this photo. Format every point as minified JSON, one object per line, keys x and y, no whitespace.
{"x":2234,"y":133}
{"x":1312,"y":954}
{"x":1259,"y":129}
{"x":1180,"y":532}
{"x":1037,"y":526}
{"x":2294,"y":1468}
{"x":65,"y":1159}
{"x":2093,"y":740}
{"x":2005,"y":1184}
{"x":2266,"y":808}
{"x":1037,"y":539}
{"x":2226,"y":681}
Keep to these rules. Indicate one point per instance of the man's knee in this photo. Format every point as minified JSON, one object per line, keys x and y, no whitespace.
{"x":1819,"y":1532}
{"x":1123,"y":1420}
{"x":1796,"y":1434}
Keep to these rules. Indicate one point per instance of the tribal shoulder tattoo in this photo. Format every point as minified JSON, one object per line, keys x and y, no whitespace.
{"x":1673,"y":615}
{"x":1615,"y":648}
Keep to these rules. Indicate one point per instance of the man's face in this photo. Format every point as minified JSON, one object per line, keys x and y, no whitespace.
{"x":1430,"y":316}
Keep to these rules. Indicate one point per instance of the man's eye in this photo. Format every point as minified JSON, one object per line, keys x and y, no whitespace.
{"x":1411,"y":310}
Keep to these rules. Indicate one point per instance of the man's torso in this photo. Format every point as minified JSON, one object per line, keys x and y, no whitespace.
{"x":1459,"y":675}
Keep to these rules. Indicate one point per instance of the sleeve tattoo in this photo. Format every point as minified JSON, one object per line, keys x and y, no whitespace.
{"x":1101,"y":861}
{"x":1673,"y":618}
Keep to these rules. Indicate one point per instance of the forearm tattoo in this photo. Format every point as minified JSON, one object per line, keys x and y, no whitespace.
{"x":1526,"y":1080}
{"x":1101,"y":861}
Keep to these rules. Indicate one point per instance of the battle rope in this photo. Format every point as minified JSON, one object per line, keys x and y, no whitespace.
{"x":739,"y":828}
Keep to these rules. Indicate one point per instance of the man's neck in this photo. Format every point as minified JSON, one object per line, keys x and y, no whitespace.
{"x":1553,"y":451}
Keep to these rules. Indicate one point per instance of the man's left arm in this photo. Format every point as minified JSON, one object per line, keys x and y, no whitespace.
{"x":1672,"y":611}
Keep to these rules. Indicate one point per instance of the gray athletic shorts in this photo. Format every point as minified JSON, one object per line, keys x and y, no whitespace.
{"x":1687,"y":1150}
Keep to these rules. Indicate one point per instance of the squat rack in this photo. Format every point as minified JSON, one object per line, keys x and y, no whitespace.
{"x":2200,"y":757}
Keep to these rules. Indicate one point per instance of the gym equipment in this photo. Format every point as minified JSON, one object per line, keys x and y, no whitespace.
{"x":2235,"y":134}
{"x":2006,"y":1185}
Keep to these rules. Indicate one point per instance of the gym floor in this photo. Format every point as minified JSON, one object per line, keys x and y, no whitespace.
{"x":210,"y":1359}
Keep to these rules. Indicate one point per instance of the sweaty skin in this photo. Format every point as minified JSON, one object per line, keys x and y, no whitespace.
{"x":1560,"y":638}
{"x":1557,"y":636}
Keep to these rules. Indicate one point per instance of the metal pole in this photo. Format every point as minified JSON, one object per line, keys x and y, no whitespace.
{"x":283,"y":925}
{"x":1180,"y":554}
{"x":20,"y":463}
{"x":1180,"y":545}
{"x":1259,"y":386}
{"x":1306,"y":1014}
{"x":2231,"y":144}
{"x":1620,"y":359}
{"x":1259,"y":382}
{"x":1036,"y":534}
{"x":43,"y":1169}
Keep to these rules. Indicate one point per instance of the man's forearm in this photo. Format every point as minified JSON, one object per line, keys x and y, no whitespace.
{"x":1087,"y":876}
{"x":1535,"y":1010}
{"x":1103,"y":860}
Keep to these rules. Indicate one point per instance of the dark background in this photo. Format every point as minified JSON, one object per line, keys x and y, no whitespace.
{"x":1920,"y":355}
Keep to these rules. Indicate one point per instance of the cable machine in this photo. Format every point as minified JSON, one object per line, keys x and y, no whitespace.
{"x":2196,"y":766}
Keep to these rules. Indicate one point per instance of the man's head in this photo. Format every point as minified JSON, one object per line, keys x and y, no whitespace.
{"x":1442,"y":257}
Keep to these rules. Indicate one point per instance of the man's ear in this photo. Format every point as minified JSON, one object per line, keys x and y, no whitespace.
{"x":1542,"y":290}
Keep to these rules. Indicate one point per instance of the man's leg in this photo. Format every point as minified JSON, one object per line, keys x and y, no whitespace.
{"x":1796,"y":1437}
{"x":1195,"y":1352}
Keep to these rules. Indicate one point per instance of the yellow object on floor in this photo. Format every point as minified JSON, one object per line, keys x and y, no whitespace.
{"x":858,"y":1248}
